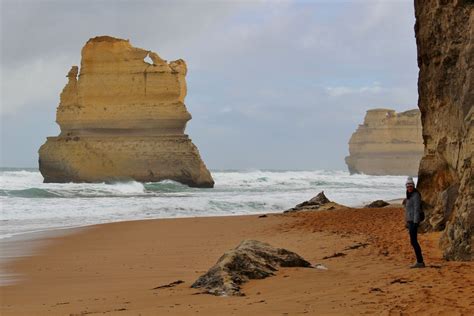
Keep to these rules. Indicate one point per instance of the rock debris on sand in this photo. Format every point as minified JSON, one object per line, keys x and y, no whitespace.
{"x":319,"y":202}
{"x":335,"y":255}
{"x":377,"y":203}
{"x":172,"y":284}
{"x":357,"y":246}
{"x":252,"y":259}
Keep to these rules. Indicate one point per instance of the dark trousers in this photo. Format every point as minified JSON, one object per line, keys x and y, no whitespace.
{"x":413,"y":230}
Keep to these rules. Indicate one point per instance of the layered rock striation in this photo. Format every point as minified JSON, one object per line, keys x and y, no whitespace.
{"x":445,"y":41}
{"x":388,"y":143}
{"x":123,"y":118}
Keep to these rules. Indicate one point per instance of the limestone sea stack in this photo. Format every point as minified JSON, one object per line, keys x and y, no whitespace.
{"x":123,"y":118}
{"x":388,"y":143}
{"x":445,"y":41}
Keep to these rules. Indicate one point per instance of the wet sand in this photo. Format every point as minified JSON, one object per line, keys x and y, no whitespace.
{"x":112,"y":269}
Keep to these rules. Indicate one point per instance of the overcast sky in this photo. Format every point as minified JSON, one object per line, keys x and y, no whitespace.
{"x":271,"y":84}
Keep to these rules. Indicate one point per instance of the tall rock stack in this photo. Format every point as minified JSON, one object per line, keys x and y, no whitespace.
{"x":123,"y":118}
{"x":445,"y":39}
{"x":388,"y":143}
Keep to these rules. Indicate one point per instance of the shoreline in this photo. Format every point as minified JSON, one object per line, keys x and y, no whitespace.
{"x":46,"y":231}
{"x":32,"y":205}
{"x":26,"y":244}
{"x":111,"y":268}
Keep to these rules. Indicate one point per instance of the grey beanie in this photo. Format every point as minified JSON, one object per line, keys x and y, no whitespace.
{"x":410,"y":181}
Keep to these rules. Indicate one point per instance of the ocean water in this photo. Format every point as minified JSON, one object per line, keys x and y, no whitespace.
{"x":29,"y":205}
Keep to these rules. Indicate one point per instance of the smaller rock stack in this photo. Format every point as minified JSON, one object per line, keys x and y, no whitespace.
{"x":388,"y":143}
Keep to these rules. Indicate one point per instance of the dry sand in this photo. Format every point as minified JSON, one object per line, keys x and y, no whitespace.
{"x":113,"y":268}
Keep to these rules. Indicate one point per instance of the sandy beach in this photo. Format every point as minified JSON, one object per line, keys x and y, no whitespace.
{"x":162,"y":158}
{"x":114,"y":268}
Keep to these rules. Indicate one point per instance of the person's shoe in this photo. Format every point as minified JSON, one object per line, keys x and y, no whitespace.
{"x":418,"y":265}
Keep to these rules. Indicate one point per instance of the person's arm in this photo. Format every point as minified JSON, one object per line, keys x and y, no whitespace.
{"x":417,"y":205}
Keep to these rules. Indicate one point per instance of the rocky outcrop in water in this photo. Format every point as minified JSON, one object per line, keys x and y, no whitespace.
{"x":388,"y":143}
{"x":445,"y":40}
{"x":123,"y":118}
{"x":252,"y":259}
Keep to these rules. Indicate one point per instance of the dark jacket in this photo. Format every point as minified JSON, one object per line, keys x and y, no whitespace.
{"x":413,"y":207}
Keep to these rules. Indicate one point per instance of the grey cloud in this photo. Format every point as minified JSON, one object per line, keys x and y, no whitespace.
{"x":47,"y":28}
{"x":270,"y":84}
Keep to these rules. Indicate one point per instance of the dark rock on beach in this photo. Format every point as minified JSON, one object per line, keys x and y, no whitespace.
{"x":251,"y":259}
{"x":318,"y":203}
{"x":377,"y":203}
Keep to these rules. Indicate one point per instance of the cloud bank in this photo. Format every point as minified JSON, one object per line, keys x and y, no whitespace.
{"x":271,"y":84}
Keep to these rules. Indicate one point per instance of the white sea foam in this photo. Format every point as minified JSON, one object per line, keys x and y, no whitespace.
{"x":28,"y":204}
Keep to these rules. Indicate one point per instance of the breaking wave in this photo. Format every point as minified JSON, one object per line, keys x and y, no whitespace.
{"x":28,"y":204}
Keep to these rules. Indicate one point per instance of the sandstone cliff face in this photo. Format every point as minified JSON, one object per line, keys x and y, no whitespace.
{"x":445,"y":40}
{"x":388,"y":143}
{"x":123,"y":118}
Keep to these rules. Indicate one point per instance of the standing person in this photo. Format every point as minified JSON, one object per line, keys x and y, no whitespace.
{"x":412,"y":217}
